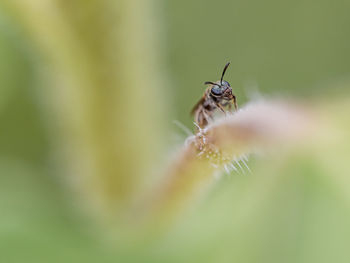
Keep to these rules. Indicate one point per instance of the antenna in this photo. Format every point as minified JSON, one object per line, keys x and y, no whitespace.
{"x":212,"y":83}
{"x":223,"y":73}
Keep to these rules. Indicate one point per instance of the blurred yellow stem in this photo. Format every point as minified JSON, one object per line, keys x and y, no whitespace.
{"x":102,"y":87}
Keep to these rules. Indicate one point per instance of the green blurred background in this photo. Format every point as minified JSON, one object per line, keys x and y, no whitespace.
{"x":293,"y":208}
{"x":289,"y":47}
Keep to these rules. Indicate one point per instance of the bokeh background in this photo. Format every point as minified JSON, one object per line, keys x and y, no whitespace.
{"x":89,"y":91}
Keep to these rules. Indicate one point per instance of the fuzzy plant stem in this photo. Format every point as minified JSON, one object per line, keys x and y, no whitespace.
{"x":225,"y":145}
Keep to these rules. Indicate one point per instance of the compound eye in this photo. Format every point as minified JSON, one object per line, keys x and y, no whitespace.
{"x":217,"y":91}
{"x":225,"y":83}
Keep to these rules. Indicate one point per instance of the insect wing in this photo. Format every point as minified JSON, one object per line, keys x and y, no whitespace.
{"x":199,"y":103}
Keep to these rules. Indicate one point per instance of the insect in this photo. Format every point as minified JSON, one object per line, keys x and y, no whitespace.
{"x":216,"y":97}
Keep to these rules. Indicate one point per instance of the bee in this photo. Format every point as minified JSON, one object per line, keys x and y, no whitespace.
{"x":216,"y":97}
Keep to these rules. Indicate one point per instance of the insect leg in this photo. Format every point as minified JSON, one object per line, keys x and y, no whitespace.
{"x":221,"y":108}
{"x":228,"y":104}
{"x":235,"y":102}
{"x":201,"y":118}
{"x":207,"y":116}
